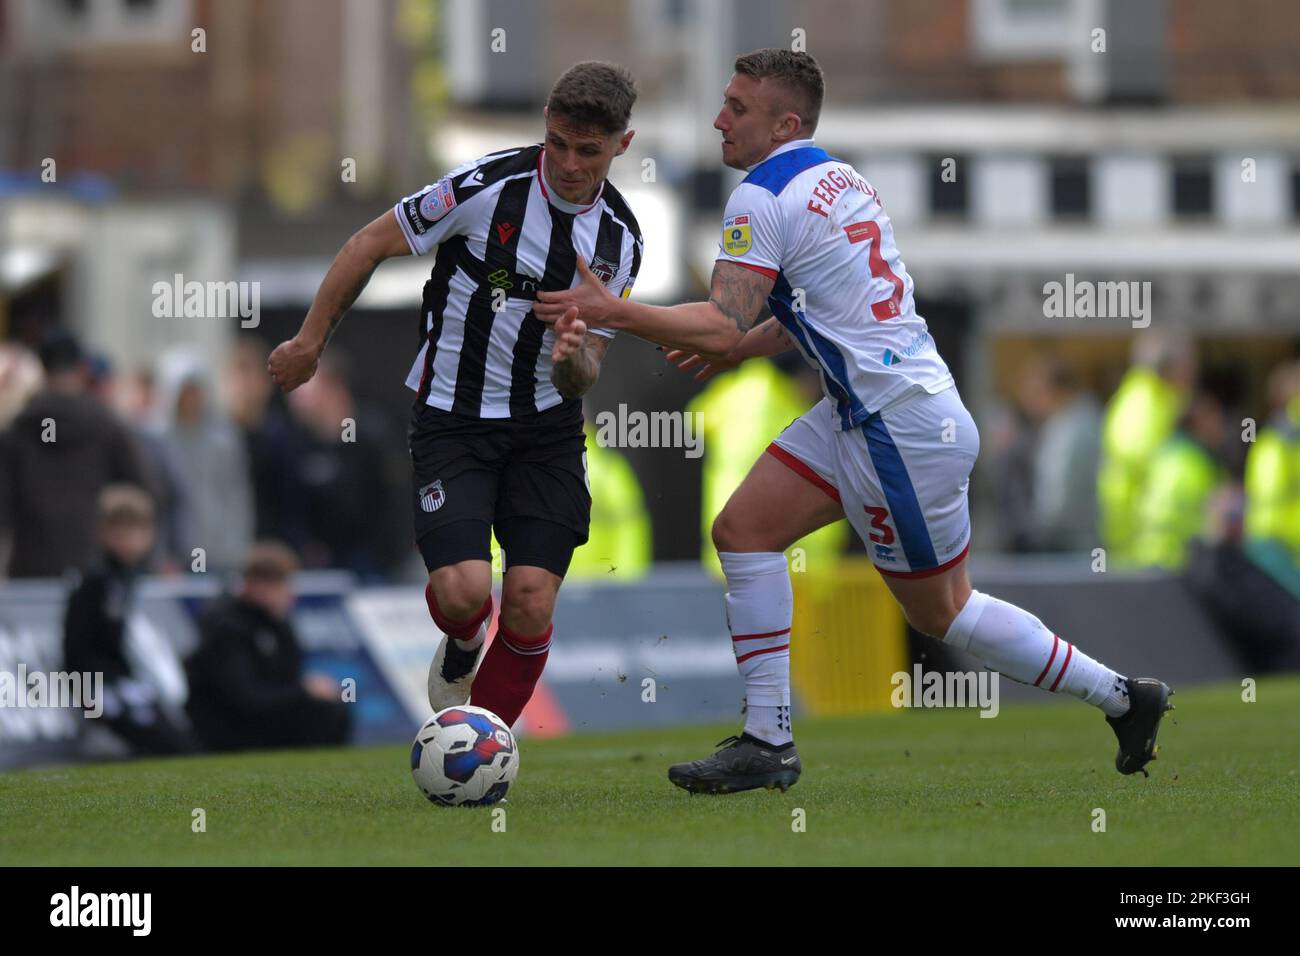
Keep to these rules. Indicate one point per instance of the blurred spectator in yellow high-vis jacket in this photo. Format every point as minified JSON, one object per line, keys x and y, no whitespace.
{"x":1186,"y":474}
{"x":1139,"y":418}
{"x":743,"y":411}
{"x":1273,"y":468}
{"x":619,"y":544}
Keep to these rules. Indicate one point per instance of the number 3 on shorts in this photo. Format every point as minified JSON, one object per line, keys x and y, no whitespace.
{"x":878,"y":518}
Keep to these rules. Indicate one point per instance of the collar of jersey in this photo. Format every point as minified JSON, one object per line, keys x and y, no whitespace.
{"x":558,"y":201}
{"x":783,"y":148}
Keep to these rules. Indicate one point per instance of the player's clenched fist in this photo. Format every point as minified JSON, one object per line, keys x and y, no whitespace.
{"x":570,"y":332}
{"x":292,"y":363}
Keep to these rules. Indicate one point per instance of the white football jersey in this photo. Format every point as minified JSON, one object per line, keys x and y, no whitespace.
{"x":813,"y":224}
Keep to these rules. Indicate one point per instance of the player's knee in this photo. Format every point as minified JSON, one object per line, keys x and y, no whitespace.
{"x":730,"y":534}
{"x":460,"y":595}
{"x":931,"y":617}
{"x":527,"y":607}
{"x":460,"y":605}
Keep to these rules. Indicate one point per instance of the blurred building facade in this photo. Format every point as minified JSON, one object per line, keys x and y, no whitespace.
{"x":1012,"y":144}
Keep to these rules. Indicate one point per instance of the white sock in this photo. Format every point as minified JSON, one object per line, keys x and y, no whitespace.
{"x":1012,"y":641}
{"x":475,"y":642}
{"x":760,"y":610}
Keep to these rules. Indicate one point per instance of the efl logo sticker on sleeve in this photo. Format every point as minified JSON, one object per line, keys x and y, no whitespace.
{"x":437,"y":202}
{"x":736,"y":236}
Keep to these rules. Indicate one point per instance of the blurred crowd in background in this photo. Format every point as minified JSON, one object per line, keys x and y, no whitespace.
{"x":225,"y":461}
{"x":1172,"y":457}
{"x":1013,"y":142}
{"x":1169,"y":459}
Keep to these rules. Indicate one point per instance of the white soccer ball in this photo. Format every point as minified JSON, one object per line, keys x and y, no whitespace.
{"x":464,"y":756}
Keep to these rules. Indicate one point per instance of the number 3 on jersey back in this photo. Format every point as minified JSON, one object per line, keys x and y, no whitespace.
{"x":868,"y":230}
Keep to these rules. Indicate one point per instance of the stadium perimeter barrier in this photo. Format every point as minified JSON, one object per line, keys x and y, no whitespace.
{"x":653,"y":652}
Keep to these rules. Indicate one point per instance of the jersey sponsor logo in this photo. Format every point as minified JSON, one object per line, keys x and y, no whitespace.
{"x":432,"y":496}
{"x":859,"y":231}
{"x":736,"y":235}
{"x":921,"y":341}
{"x":603,"y":269}
{"x":500,"y":279}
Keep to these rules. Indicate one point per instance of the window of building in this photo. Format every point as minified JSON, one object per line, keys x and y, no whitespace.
{"x":949,"y":193}
{"x":1193,"y":187}
{"x":1021,"y":29}
{"x":1071,"y":187}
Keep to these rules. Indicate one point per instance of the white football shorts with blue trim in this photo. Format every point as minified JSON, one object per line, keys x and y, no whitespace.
{"x":902,"y":476}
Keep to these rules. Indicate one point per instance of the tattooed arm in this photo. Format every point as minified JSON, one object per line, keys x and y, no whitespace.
{"x":294,"y":362}
{"x":736,"y":299}
{"x":740,"y":294}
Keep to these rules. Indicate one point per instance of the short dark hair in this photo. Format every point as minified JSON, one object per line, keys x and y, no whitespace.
{"x":797,"y":72}
{"x":594,"y":95}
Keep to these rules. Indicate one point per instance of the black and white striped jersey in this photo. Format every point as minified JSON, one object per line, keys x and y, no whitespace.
{"x":502,"y":236}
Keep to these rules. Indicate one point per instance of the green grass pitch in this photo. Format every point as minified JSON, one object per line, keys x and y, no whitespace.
{"x":916,"y":787}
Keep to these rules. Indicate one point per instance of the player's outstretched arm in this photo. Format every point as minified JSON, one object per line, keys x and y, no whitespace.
{"x":736,"y":299}
{"x":766,"y":338}
{"x":294,"y":362}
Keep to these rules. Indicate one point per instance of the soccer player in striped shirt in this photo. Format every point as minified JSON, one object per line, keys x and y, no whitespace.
{"x":496,"y":435}
{"x":890,"y":447}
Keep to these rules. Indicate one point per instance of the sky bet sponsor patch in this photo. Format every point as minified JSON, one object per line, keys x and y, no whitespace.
{"x":736,"y":238}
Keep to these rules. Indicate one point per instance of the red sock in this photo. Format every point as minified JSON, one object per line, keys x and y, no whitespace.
{"x":460,"y":630}
{"x":510,"y":670}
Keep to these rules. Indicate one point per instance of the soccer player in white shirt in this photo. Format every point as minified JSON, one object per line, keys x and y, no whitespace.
{"x":890,"y":447}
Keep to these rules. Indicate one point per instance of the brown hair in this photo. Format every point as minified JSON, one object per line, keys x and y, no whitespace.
{"x":123,"y":504}
{"x":270,"y":561}
{"x":594,"y":95}
{"x":796,"y":72}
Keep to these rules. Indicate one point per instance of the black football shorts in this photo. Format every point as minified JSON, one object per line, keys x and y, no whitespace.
{"x":525,"y":477}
